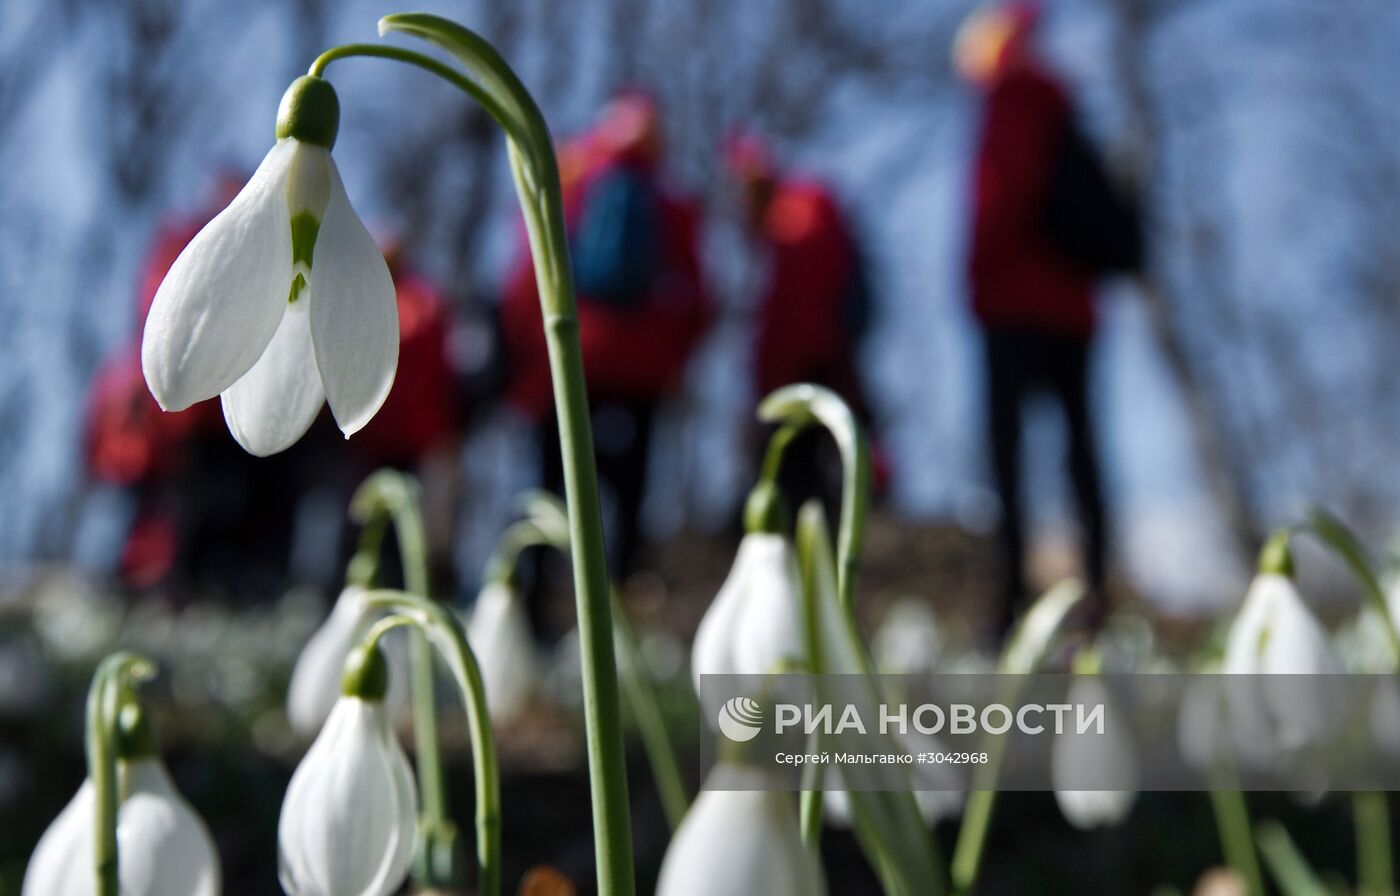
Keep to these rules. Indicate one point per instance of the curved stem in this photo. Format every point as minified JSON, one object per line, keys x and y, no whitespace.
{"x":799,"y":405}
{"x":1343,"y":542}
{"x":547,"y":526}
{"x":111,"y":682}
{"x":438,"y":626}
{"x":492,"y":84}
{"x":394,"y":495}
{"x":427,"y":63}
{"x":536,"y":174}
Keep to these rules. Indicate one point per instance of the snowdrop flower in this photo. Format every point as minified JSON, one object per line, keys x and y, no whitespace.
{"x":1276,"y":633}
{"x":739,"y":842}
{"x":163,"y":847}
{"x":1107,"y":758}
{"x":316,"y":677}
{"x":909,"y":640}
{"x":348,"y":821}
{"x":283,"y":302}
{"x":500,"y":634}
{"x":755,"y":622}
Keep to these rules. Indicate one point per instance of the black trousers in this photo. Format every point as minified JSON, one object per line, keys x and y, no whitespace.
{"x":1020,"y":363}
{"x":622,"y":434}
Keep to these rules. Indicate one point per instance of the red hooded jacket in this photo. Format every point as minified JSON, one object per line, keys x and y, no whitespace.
{"x":1019,"y":278}
{"x":629,"y":354}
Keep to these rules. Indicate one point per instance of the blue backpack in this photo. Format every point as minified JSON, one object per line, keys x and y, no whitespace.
{"x":616,"y":240}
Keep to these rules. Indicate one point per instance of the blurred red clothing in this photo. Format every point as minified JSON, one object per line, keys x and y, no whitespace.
{"x":1019,"y":277}
{"x":629,"y":353}
{"x":802,"y":331}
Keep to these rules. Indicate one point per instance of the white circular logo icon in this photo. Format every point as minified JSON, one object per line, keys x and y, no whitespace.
{"x":740,"y":719}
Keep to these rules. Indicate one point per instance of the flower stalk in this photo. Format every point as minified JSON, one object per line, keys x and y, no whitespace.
{"x":546,"y":525}
{"x":111,"y":689}
{"x":389,"y":495}
{"x":799,"y":406}
{"x":437,"y":626}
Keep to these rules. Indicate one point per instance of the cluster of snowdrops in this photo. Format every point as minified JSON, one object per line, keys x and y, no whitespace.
{"x":282,"y":304}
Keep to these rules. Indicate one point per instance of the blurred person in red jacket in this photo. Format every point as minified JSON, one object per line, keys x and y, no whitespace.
{"x":813,"y":310}
{"x":642,"y":306}
{"x":1045,"y":224}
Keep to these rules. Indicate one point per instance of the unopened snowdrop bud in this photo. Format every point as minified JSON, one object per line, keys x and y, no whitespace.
{"x":283,"y":302}
{"x":1107,"y":758}
{"x":755,"y":622}
{"x":499,"y":632}
{"x":164,"y":848}
{"x":738,"y":843}
{"x":1276,"y":633}
{"x":315,"y":684}
{"x":348,"y":821}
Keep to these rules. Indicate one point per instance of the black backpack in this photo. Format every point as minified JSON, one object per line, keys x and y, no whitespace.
{"x":1091,"y":219}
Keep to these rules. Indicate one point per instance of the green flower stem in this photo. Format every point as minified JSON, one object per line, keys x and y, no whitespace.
{"x":391,"y":495}
{"x":490,"y":81}
{"x":437,"y":625}
{"x":1337,"y":536}
{"x":1023,"y":654}
{"x":1289,"y":868}
{"x":1375,"y":873}
{"x":798,"y":406}
{"x":1236,"y":842}
{"x":651,"y":724}
{"x":547,"y":525}
{"x":111,"y":687}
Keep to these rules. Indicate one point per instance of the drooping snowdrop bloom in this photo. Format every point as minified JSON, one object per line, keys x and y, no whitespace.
{"x":1276,"y":634}
{"x":499,"y":633}
{"x":1107,"y":759}
{"x":348,"y":821}
{"x":163,"y":847}
{"x":283,"y":302}
{"x":316,"y":677}
{"x":755,"y":622}
{"x":739,"y":842}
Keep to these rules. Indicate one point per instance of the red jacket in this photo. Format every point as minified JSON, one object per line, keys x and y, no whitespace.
{"x":1019,"y":278}
{"x":801,"y":331}
{"x":629,"y":354}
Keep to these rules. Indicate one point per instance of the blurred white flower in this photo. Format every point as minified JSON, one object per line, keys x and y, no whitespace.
{"x":1276,"y":634}
{"x":738,"y":843}
{"x":1107,"y":758}
{"x":348,"y":821}
{"x":315,"y":684}
{"x":282,"y":302}
{"x":755,"y":622}
{"x":499,"y":634}
{"x":163,"y":847}
{"x":909,"y":640}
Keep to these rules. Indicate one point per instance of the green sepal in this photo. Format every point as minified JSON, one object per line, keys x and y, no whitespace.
{"x":766,"y":510}
{"x":309,"y":112}
{"x":366,"y":673}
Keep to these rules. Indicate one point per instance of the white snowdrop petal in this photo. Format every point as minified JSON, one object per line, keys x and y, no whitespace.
{"x":275,"y":403}
{"x":739,"y":842}
{"x":499,"y":633}
{"x":164,"y":846}
{"x":755,"y":621}
{"x":354,"y":314}
{"x":62,"y":862}
{"x":349,"y":809}
{"x":219,"y":305}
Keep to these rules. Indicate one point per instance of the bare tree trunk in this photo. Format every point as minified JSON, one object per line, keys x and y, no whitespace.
{"x":1223,"y":465}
